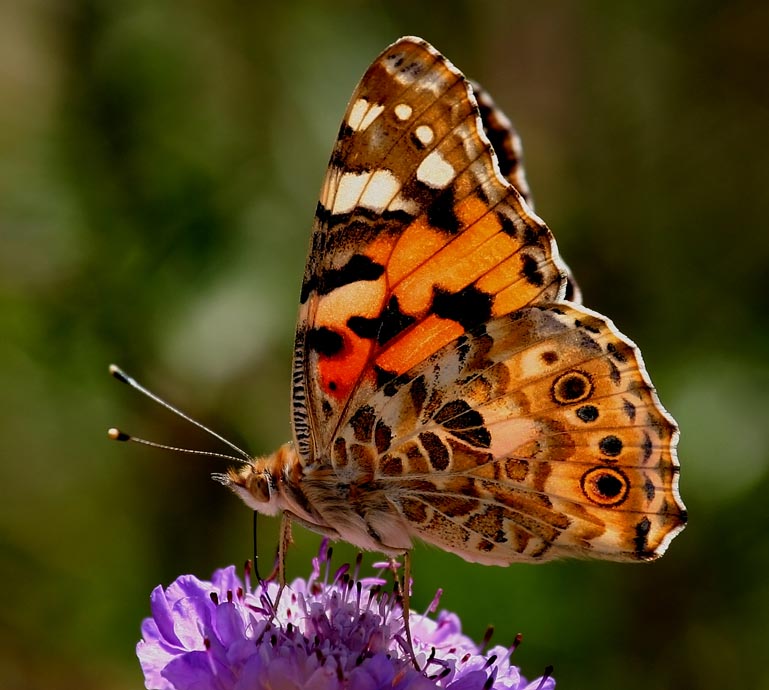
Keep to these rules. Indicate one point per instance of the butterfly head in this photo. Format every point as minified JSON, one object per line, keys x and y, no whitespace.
{"x":261,"y":483}
{"x":255,"y":485}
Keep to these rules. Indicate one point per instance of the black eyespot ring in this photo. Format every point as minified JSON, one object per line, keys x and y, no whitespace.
{"x":605,"y":486}
{"x":572,"y":387}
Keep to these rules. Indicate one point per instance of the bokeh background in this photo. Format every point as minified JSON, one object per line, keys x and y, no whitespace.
{"x":159,"y":169}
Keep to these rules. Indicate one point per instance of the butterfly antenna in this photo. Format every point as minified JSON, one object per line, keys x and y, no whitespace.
{"x":117,"y":435}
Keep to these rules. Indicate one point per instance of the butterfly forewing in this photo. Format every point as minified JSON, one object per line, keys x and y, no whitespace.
{"x":417,"y":238}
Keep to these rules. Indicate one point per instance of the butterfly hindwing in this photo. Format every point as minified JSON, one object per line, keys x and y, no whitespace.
{"x":504,"y":140}
{"x":509,"y":150}
{"x":534,"y":436}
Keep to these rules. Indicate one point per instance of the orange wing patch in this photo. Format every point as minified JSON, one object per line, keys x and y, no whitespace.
{"x":417,"y":344}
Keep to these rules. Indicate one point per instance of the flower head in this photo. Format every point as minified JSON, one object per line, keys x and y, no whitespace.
{"x":327,"y":632}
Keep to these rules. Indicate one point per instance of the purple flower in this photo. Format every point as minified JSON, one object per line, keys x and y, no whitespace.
{"x":327,"y":633}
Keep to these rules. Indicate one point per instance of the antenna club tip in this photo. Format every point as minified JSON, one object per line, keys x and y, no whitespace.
{"x":117,"y":372}
{"x":117,"y":435}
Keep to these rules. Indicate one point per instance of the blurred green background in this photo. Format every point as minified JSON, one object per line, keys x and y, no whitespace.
{"x":159,"y":169}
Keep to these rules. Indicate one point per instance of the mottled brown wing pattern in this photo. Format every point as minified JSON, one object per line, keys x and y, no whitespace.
{"x":417,"y":238}
{"x":505,"y":141}
{"x":509,"y":150}
{"x":534,"y":436}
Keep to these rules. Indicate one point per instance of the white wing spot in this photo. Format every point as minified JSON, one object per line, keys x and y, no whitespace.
{"x":400,"y":203}
{"x":403,"y":111}
{"x":435,"y":171}
{"x":357,"y":112}
{"x":380,"y":191}
{"x":373,"y":113}
{"x":348,"y":191}
{"x":425,"y":134}
{"x":362,"y":114}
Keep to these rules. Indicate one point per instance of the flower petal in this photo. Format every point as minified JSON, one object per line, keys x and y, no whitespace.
{"x":323,"y":636}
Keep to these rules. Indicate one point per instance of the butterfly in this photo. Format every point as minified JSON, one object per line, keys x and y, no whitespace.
{"x":448,"y":386}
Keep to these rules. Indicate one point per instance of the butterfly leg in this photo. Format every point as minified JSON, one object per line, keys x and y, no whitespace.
{"x":284,"y":541}
{"x":405,"y":589}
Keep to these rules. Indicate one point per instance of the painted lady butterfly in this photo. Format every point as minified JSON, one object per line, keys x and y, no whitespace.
{"x":447,"y":384}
